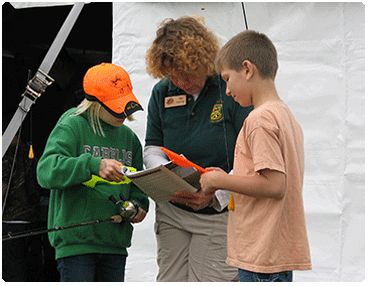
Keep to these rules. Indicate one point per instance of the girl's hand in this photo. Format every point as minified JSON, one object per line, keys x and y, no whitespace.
{"x":139,"y":217}
{"x":110,"y":170}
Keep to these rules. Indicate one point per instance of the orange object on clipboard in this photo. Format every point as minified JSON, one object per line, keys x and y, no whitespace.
{"x":182,"y":161}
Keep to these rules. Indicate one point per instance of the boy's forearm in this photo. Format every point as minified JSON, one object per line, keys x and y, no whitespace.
{"x":266,"y":184}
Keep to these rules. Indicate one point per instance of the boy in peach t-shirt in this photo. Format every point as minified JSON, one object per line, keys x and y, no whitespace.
{"x":267,"y":237}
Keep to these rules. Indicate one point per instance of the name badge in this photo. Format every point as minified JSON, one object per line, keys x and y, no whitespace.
{"x":174,"y":101}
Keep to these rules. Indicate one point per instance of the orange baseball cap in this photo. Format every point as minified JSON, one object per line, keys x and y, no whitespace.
{"x":110,"y":85}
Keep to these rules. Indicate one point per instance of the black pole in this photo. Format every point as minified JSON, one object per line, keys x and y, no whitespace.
{"x":245,"y":17}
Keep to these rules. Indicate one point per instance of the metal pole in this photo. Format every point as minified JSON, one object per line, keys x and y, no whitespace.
{"x":41,"y":80}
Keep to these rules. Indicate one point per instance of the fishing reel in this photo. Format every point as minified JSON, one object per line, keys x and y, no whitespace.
{"x":128,"y":209}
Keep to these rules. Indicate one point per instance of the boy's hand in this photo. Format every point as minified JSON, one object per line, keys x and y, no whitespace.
{"x":110,"y":170}
{"x":209,"y":181}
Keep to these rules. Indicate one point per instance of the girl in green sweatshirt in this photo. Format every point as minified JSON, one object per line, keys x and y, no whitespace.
{"x":91,"y":141}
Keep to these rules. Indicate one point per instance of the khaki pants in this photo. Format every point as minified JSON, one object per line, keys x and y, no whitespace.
{"x":191,"y":247}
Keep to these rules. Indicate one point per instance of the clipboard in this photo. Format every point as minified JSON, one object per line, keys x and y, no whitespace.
{"x":183,"y":162}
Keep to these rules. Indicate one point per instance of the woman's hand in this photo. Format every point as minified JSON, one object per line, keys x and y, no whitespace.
{"x":196,"y":201}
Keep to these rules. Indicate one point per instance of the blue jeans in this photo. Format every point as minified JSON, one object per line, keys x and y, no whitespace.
{"x":248,"y":276}
{"x":92,"y":268}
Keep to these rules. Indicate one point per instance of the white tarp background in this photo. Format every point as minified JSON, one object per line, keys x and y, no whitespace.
{"x":321,"y":76}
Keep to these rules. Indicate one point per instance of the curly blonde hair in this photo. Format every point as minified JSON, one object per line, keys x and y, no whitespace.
{"x":182,"y":46}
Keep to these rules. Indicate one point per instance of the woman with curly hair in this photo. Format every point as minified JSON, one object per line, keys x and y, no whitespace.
{"x":189,"y":113}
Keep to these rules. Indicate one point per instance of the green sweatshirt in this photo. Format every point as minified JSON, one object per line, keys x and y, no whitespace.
{"x":71,"y":156}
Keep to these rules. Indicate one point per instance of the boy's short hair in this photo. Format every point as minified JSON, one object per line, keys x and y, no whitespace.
{"x":252,"y":46}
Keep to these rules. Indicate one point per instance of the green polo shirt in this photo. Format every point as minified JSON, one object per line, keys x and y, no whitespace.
{"x":204,"y":130}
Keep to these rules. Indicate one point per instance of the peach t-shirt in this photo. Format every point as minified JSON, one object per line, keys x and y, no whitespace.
{"x":268,"y":235}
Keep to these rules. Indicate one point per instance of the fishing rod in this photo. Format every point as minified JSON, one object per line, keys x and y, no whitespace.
{"x":128,"y":210}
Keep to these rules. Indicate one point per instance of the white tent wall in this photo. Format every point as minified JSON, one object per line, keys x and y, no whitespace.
{"x":321,"y":50}
{"x":321,"y":76}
